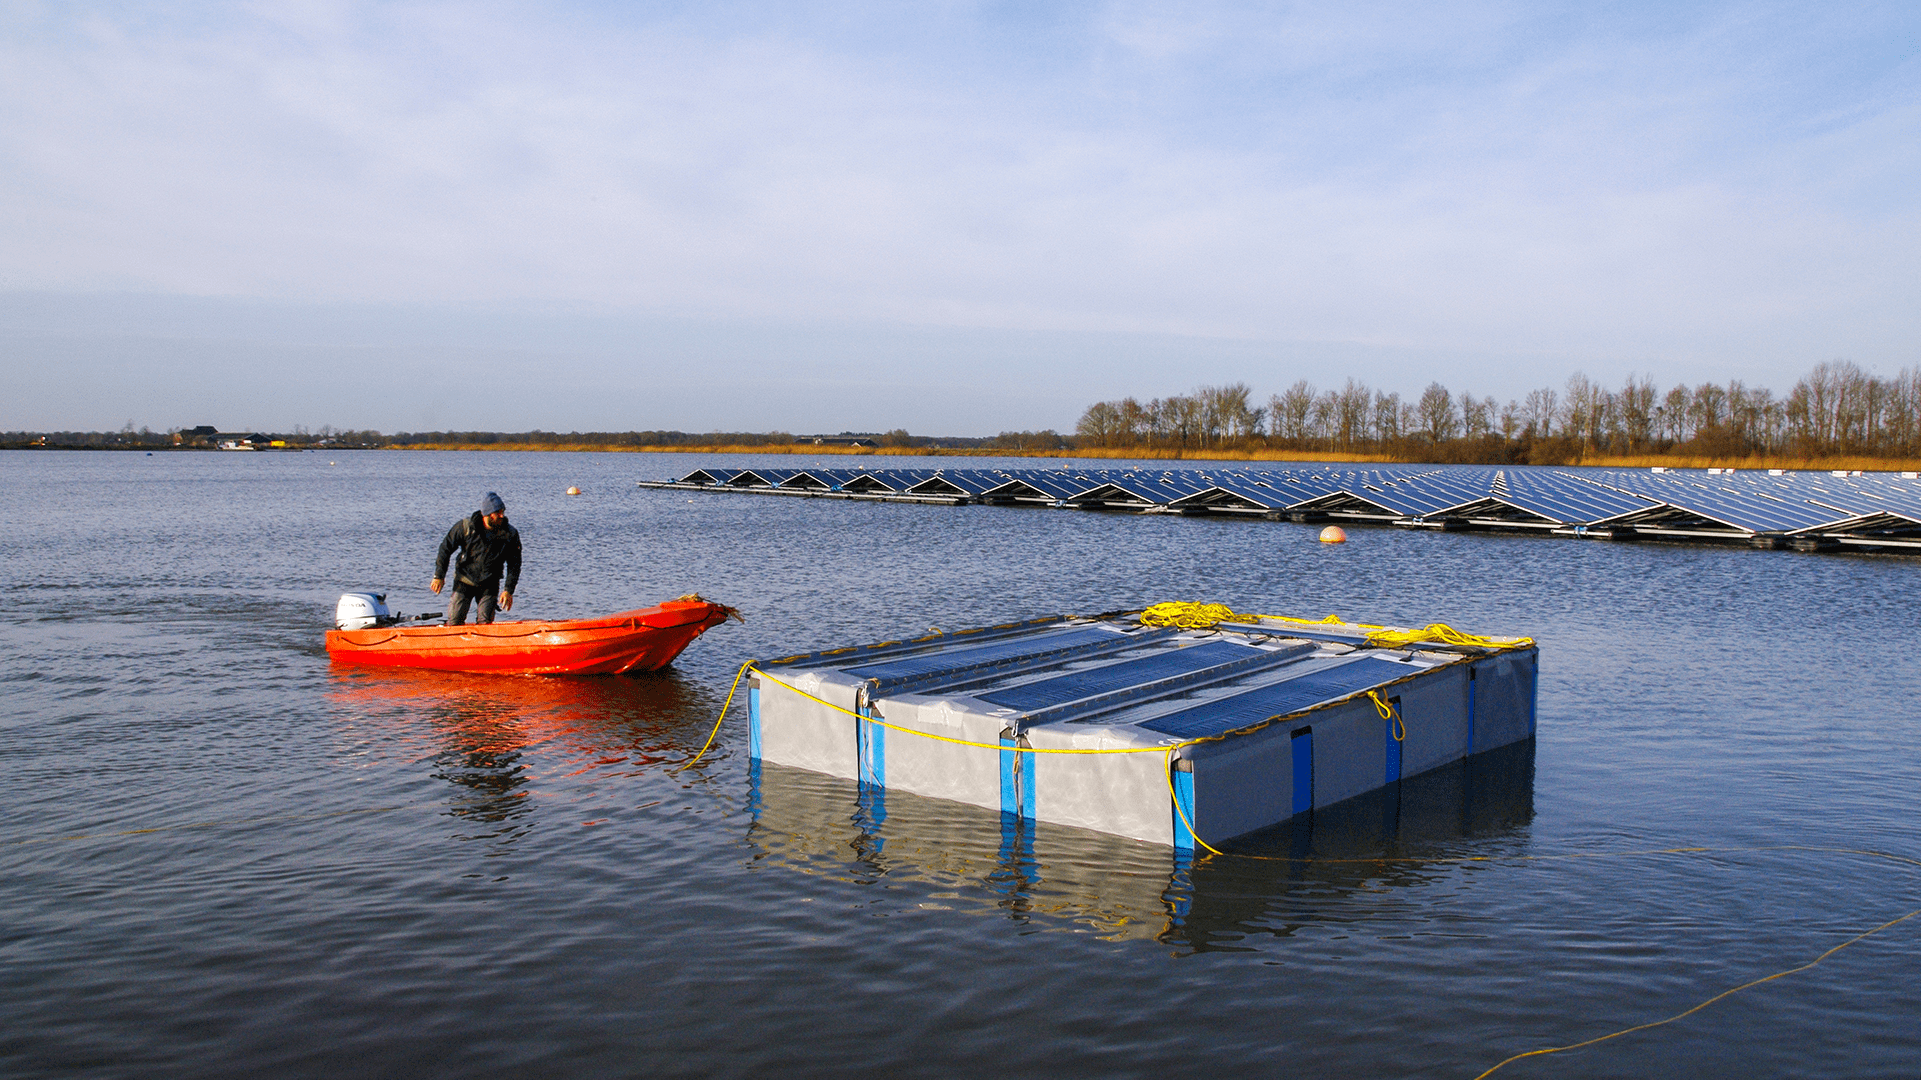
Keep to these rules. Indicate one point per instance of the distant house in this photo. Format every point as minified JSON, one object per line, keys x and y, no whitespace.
{"x":237,"y":440}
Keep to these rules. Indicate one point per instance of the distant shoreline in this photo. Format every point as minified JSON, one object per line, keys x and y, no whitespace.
{"x":1860,"y":463}
{"x":1635,"y":461}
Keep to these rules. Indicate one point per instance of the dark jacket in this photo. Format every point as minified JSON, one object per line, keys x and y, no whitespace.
{"x":483,"y":552}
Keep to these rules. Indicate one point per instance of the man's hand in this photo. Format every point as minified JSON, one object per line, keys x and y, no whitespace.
{"x":506,"y":601}
{"x":437,"y":583}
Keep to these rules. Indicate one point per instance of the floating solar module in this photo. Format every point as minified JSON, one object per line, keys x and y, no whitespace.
{"x":1804,"y":510}
{"x":1164,"y":735}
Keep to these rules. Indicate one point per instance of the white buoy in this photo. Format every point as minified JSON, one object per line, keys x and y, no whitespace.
{"x":573,"y":491}
{"x":1333,"y":534}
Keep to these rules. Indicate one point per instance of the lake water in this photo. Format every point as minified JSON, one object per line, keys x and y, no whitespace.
{"x":222,"y":856}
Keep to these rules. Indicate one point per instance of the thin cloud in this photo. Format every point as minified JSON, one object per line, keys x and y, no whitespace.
{"x":1710,"y":189}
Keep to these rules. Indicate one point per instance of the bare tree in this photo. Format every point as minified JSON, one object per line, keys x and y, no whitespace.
{"x":1837,"y":407}
{"x":1586,"y":412}
{"x":1290,"y":411}
{"x":1387,"y":417}
{"x":1354,"y":403}
{"x":1539,"y":411}
{"x":1132,"y":423}
{"x":1099,"y":425}
{"x":1159,"y":426}
{"x":1576,"y":406}
{"x":1511,"y":419}
{"x":1210,"y":413}
{"x":1708,"y":410}
{"x":1436,"y":407}
{"x":1676,"y":414}
{"x":1229,"y":411}
{"x":1637,"y":411}
{"x":1187,"y":420}
{"x":1477,"y":416}
{"x":1325,"y":419}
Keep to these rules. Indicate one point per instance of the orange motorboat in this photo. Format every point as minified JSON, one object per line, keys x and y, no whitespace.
{"x":642,"y":640}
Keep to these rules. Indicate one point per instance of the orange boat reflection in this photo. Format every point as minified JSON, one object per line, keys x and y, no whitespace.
{"x":647,"y":719}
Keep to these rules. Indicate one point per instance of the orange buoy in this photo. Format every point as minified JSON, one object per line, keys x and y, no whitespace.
{"x":1333,"y":534}
{"x":573,"y":491}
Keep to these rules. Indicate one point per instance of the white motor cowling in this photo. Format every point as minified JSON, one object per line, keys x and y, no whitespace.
{"x":362,"y":611}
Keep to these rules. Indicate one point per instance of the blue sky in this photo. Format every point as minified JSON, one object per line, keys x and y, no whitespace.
{"x":957,"y":218}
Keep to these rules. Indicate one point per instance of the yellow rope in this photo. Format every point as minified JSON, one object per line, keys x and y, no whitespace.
{"x":1188,"y":615}
{"x":1333,"y":620}
{"x":717,"y":720}
{"x":1176,"y":799}
{"x":1389,"y":712}
{"x":1446,"y":635}
{"x":1690,"y":1012}
{"x":1587,"y":855}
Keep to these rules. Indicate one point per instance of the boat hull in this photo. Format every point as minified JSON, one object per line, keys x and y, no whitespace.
{"x":643,"y":640}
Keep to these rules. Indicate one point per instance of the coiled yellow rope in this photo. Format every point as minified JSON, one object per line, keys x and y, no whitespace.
{"x":1191,"y":616}
{"x":1188,"y":615}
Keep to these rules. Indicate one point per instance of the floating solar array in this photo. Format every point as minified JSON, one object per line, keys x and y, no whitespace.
{"x":1808,"y":511}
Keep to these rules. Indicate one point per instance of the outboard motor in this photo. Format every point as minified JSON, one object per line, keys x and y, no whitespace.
{"x":362,"y":611}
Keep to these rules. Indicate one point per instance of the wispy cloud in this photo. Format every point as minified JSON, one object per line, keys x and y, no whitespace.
{"x":1715,"y":188}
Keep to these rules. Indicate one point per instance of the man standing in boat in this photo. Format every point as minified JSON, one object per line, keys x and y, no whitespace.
{"x":487,"y":545}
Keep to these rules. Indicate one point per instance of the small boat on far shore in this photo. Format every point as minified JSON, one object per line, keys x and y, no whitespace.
{"x":645,"y":639}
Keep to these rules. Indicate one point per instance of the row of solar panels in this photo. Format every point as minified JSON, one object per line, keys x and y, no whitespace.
{"x":1802,"y":509}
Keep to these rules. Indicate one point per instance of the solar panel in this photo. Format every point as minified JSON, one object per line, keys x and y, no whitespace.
{"x":1124,"y":674}
{"x":1278,"y":699}
{"x":1732,"y":504}
{"x":953,"y":664}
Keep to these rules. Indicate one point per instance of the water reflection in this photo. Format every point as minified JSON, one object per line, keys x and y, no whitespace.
{"x":1309,"y":872}
{"x":1383,"y":844}
{"x":500,"y":740}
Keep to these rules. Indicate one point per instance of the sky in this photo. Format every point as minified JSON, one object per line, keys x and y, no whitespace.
{"x":957,"y":218}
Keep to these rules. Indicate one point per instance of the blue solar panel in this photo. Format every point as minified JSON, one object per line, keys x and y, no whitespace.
{"x":1279,"y":699}
{"x":968,"y":481}
{"x":1050,"y":485}
{"x":1230,"y":487}
{"x":954,"y":664}
{"x":1127,"y":489}
{"x":1122,"y":674}
{"x":1680,"y":502}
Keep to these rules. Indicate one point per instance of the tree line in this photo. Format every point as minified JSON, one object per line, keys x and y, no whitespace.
{"x":1837,"y":409}
{"x":327,"y":437}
